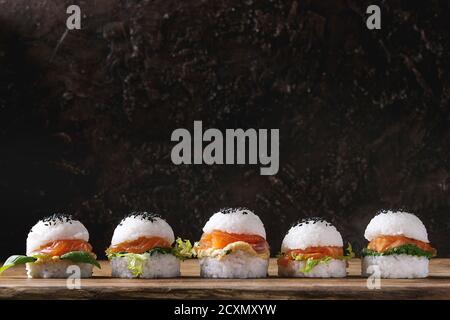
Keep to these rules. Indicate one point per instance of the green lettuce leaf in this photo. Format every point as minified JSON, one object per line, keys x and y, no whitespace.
{"x":350,"y":254}
{"x":408,"y":249}
{"x":111,"y":255}
{"x":136,"y":262}
{"x":80,"y":257}
{"x":16,"y":260}
{"x":311,"y":263}
{"x":183,"y":249}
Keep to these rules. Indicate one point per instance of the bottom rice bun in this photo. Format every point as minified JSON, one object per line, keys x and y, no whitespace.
{"x":58,"y":269}
{"x":398,"y":247}
{"x":141,"y":247}
{"x":233,"y":245}
{"x":57,"y":247}
{"x":314,"y":249}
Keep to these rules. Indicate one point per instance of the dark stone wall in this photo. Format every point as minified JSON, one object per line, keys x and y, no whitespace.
{"x":86,"y":116}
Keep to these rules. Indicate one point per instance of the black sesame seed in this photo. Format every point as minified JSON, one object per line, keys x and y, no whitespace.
{"x":57,"y":218}
{"x":312,"y":220}
{"x":233,"y":210}
{"x":144,"y":215}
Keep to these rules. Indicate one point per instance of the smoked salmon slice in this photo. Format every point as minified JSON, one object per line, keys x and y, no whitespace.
{"x":218,"y":240}
{"x":60,"y":247}
{"x":384,"y":243}
{"x":311,"y":252}
{"x":140,"y":245}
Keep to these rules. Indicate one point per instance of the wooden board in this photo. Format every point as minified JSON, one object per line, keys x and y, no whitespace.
{"x":15,"y":285}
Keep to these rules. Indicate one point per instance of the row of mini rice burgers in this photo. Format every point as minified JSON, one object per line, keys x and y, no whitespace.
{"x":233,"y":245}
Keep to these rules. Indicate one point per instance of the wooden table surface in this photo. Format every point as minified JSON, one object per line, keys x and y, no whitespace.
{"x":15,"y":285}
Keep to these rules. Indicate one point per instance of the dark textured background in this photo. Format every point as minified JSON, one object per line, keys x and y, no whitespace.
{"x":85,"y":125}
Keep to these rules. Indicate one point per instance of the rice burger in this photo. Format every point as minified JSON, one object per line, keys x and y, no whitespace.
{"x":233,"y":245}
{"x":53,"y":245}
{"x":143,"y":246}
{"x":313,"y":248}
{"x":398,"y":247}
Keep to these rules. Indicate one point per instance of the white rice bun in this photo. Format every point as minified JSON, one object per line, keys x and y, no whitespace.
{"x":311,"y":233}
{"x":136,"y":226}
{"x":391,"y":223}
{"x":58,"y":269}
{"x":395,"y":266}
{"x":157,"y":266}
{"x":236,"y":265}
{"x":46,"y":231}
{"x":240,"y":221}
{"x":333,"y":269}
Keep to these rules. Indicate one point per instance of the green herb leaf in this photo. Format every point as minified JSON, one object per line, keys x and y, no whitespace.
{"x":408,"y":249}
{"x":16,"y":260}
{"x":160,"y":251}
{"x":82,"y":257}
{"x":183,"y":249}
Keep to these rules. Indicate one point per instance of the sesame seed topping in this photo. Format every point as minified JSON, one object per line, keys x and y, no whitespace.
{"x":312,"y":220}
{"x":233,"y":210}
{"x":144,"y":215}
{"x":57,"y":218}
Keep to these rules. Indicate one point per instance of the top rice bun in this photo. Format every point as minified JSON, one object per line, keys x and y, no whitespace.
{"x":238,"y":220}
{"x":139,"y":225}
{"x":390,"y":223}
{"x":311,"y":233}
{"x":55,"y":227}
